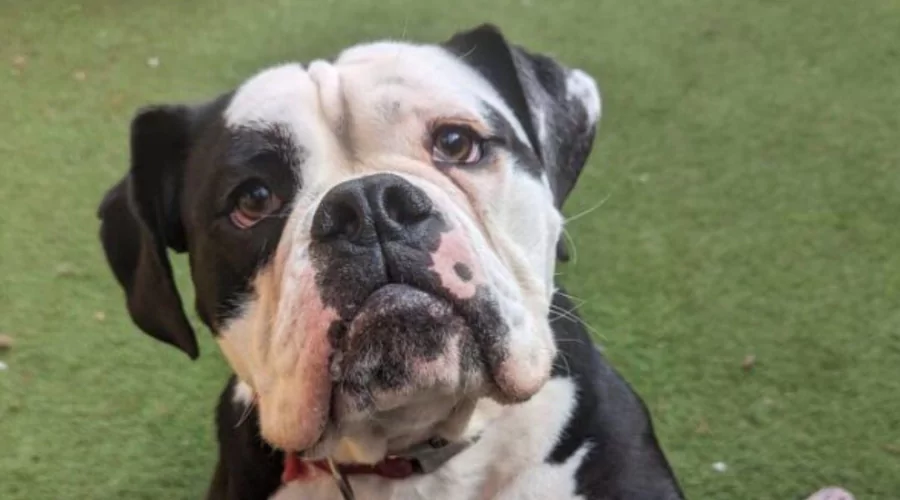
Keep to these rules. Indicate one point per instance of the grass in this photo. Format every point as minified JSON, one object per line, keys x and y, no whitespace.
{"x":749,"y":160}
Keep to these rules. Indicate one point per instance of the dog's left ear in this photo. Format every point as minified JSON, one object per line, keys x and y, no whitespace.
{"x":558,"y":107}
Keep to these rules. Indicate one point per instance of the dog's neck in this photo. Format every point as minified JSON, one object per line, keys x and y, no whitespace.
{"x":460,"y":430}
{"x":464,"y":426}
{"x":421,"y":459}
{"x":481,"y":469}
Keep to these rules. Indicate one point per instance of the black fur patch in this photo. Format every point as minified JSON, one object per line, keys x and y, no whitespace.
{"x":224,"y":258}
{"x":533,"y":85}
{"x":486,"y":51}
{"x":463,"y":271}
{"x":248,"y":468}
{"x":142,"y":216}
{"x":624,"y":459}
{"x":526,"y":158}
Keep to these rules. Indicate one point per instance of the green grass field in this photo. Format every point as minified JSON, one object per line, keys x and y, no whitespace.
{"x":743,"y":199}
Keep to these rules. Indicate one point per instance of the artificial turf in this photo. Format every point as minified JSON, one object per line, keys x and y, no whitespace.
{"x":743,"y":200}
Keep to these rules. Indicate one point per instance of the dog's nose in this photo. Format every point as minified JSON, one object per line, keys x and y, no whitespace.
{"x":370,"y":209}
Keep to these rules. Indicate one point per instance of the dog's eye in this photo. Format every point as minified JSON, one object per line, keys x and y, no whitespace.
{"x":456,"y":145}
{"x":253,"y":201}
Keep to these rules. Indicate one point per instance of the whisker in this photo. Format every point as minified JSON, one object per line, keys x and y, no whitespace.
{"x":265,"y":245}
{"x":565,"y":364}
{"x":405,"y":26}
{"x":247,"y":411}
{"x":470,"y":52}
{"x":571,"y":316}
{"x":578,"y":302}
{"x":574,"y":319}
{"x":571,"y":242}
{"x":575,"y":341}
{"x":589,"y":210}
{"x":564,"y":314}
{"x":563,"y":311}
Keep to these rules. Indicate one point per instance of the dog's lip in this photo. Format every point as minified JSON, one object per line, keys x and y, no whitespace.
{"x":389,"y":290}
{"x":400,"y":309}
{"x":390,"y":293}
{"x":389,"y":299}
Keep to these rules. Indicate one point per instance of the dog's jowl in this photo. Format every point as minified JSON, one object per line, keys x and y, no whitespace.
{"x":372,"y":241}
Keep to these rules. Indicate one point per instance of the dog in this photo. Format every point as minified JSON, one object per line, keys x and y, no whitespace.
{"x":372,"y":241}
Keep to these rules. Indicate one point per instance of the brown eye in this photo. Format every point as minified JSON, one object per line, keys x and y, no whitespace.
{"x":456,"y":145}
{"x":253,"y":202}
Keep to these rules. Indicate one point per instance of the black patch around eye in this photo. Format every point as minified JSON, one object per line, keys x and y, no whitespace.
{"x":282,"y":146}
{"x":270,"y":153}
{"x":463,"y":271}
{"x":273,"y":143}
{"x":224,"y":259}
{"x":526,"y":156}
{"x":488,"y":54}
{"x":232,"y":259}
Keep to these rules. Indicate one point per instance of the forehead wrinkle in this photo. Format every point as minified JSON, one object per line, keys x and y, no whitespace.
{"x":344,"y":130}
{"x":333,"y":102}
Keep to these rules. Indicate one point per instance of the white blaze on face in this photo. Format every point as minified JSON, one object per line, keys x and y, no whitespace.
{"x":372,"y":111}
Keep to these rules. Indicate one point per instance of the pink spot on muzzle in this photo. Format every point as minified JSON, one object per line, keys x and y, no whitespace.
{"x":456,"y":266}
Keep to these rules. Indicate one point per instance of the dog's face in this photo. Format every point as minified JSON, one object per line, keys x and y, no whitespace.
{"x":372,"y":240}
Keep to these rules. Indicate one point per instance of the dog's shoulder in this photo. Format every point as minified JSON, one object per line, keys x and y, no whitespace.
{"x":609,"y":430}
{"x":247,"y":466}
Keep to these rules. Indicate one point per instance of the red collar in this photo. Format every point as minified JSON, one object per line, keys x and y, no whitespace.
{"x":296,"y":468}
{"x":420,"y":459}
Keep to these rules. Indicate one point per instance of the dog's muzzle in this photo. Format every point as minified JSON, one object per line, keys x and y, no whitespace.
{"x":404,"y":346}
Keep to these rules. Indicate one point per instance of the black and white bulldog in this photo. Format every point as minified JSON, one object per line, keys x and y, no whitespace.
{"x":372,"y":240}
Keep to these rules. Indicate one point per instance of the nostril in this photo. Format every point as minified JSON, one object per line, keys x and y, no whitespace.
{"x":347,"y":221}
{"x":405,"y":204}
{"x":341,"y":215}
{"x":322,"y":225}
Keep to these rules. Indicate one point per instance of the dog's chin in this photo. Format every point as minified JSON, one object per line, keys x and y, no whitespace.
{"x":410,"y":366}
{"x":408,"y":370}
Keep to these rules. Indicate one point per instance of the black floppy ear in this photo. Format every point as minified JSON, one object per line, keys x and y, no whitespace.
{"x":140,"y":219}
{"x":557,"y":106}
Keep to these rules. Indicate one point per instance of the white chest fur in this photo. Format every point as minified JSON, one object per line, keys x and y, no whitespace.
{"x":506,"y":463}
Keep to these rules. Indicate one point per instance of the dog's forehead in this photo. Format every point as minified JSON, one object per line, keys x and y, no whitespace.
{"x":381,"y":75}
{"x":426,"y":70}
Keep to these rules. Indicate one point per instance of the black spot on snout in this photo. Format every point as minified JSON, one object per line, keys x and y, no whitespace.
{"x":463,"y":271}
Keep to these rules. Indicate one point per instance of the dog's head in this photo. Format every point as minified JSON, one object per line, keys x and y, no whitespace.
{"x":372,"y":240}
